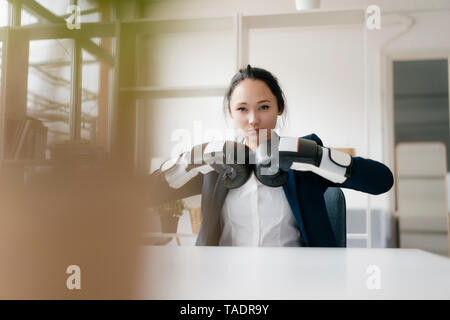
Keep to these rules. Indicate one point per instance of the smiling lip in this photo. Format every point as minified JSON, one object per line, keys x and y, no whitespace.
{"x":253,"y":131}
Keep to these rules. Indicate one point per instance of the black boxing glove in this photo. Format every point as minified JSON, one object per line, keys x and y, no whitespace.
{"x":230,"y":157}
{"x":284,"y":153}
{"x":267,"y":166}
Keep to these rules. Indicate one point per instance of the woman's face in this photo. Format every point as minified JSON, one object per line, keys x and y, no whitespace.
{"x":253,"y":107}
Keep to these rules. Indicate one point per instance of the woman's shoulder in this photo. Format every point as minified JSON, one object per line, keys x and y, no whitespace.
{"x":313,"y":137}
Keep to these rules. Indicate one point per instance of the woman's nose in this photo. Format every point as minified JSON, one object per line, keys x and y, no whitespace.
{"x":253,"y":118}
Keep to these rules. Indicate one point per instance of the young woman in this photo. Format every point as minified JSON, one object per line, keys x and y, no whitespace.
{"x":243,"y":205}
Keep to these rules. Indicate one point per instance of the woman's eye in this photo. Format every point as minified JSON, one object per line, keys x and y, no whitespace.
{"x":265,"y":107}
{"x":241,"y":109}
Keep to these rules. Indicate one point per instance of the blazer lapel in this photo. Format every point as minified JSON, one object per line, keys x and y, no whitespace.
{"x":313,"y":212}
{"x":219,"y":195}
{"x":213,"y":197}
{"x":290,"y":190}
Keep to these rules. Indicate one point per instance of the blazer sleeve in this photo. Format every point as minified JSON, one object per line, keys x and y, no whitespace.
{"x":155,"y":190}
{"x":367,"y":175}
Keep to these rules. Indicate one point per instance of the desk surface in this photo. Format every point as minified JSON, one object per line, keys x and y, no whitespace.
{"x":291,"y":273}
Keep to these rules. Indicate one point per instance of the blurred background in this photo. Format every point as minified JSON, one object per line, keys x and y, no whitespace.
{"x":135,"y":76}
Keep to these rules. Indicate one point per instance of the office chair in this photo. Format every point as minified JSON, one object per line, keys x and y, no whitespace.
{"x":337,"y":213}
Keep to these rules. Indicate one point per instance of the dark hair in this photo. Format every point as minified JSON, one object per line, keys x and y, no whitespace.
{"x":256,"y":74}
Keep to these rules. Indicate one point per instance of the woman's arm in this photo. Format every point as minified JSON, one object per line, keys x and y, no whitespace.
{"x":335,"y":168}
{"x":182,"y":176}
{"x":157,"y":191}
{"x":367,"y":176}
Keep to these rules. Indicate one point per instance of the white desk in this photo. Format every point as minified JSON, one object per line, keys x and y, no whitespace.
{"x":290,"y":273}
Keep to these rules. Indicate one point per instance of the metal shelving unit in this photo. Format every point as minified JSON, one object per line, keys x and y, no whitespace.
{"x":15,"y":66}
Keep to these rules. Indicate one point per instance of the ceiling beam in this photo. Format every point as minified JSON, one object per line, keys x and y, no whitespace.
{"x":40,"y":11}
{"x":83,"y":12}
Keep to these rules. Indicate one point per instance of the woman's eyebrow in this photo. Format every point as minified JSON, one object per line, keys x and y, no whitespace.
{"x":240,"y":103}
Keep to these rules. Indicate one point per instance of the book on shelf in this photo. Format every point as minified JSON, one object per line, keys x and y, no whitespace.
{"x":30,"y":139}
{"x":78,"y":150}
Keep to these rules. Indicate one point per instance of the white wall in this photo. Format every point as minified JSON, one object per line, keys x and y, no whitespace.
{"x":321,"y":70}
{"x":183,"y":60}
{"x":4,"y":13}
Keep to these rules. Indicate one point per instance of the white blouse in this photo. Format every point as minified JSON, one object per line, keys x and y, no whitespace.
{"x":257,"y":215}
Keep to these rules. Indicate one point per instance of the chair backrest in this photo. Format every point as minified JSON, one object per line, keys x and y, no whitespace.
{"x":335,"y":203}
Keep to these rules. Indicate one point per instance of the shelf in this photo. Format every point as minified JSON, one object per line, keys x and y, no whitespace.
{"x":27,"y":163}
{"x":296,"y":19}
{"x":153,"y":26}
{"x":173,"y":92}
{"x":305,"y":19}
{"x":360,"y":236}
{"x":421,"y":177}
{"x":87,"y":31}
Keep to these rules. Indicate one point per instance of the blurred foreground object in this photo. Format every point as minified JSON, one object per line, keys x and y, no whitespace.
{"x":70,"y":214}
